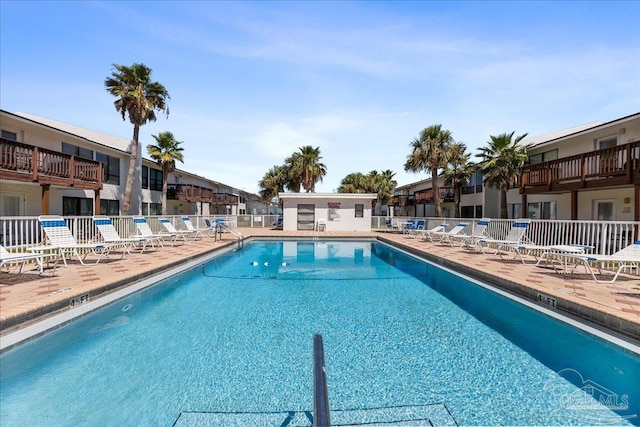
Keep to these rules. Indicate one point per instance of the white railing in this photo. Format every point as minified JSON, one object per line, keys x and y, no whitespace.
{"x":606,"y":237}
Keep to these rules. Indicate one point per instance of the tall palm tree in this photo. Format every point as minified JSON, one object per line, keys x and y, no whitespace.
{"x":165,"y":153}
{"x":430,"y":152}
{"x":312,"y":169}
{"x":293,"y":173}
{"x":272,"y":183}
{"x":139,"y":98}
{"x":458,"y":171}
{"x":501,"y":161}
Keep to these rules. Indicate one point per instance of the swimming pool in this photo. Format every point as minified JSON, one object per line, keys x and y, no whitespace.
{"x":232,"y":340}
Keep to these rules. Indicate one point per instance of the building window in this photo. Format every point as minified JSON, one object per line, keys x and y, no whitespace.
{"x":155,"y":209}
{"x":109,"y":207}
{"x":542,"y":210}
{"x":359,"y":210}
{"x":607,"y":143}
{"x":77,"y":206}
{"x":11,"y":136}
{"x":110,"y":168}
{"x":479,"y":211}
{"x":466,"y":211}
{"x":155,"y":179}
{"x":74,"y":150}
{"x":543,"y":157}
{"x":145,"y":176}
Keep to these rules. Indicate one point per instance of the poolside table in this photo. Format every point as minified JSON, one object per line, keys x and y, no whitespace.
{"x":563,"y":254}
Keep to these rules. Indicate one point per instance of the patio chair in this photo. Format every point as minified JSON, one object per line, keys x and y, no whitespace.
{"x":182,"y":234}
{"x":628,"y":257}
{"x":428,"y":234}
{"x":187,"y":223}
{"x":7,"y":257}
{"x":515,"y":236}
{"x":110,"y":235}
{"x":446,"y":237}
{"x":60,"y":237}
{"x":145,"y":231}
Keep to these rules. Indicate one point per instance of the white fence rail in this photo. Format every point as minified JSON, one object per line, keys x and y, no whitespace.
{"x":606,"y":237}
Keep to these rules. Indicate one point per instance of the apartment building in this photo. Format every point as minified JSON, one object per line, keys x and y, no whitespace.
{"x":587,"y":172}
{"x":50,"y":167}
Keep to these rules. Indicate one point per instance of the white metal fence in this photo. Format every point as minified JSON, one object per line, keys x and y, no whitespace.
{"x":606,"y":237}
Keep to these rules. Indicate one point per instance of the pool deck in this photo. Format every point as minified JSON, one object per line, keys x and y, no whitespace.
{"x":28,"y":297}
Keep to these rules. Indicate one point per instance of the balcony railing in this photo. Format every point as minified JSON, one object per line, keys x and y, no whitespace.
{"x":426,"y":196}
{"x":602,"y":168}
{"x":194,"y":193}
{"x":28,"y":163}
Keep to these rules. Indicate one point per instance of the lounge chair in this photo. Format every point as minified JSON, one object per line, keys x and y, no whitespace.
{"x":446,"y":237}
{"x":417,"y":228}
{"x":7,"y":257}
{"x":628,"y":257}
{"x":110,"y":235}
{"x":60,"y":237}
{"x":428,"y":234}
{"x":145,"y":231}
{"x":515,"y":236}
{"x":388,"y":222}
{"x":409,"y":225}
{"x":182,"y":234}
{"x":187,"y":223}
{"x":479,"y":232}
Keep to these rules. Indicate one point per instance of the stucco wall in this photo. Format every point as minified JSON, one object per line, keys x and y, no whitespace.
{"x":340,"y":218}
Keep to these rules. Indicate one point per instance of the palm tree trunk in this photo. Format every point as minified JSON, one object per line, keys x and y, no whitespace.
{"x":503,"y":204}
{"x":126,"y":203}
{"x":165,"y":179}
{"x":436,"y":191}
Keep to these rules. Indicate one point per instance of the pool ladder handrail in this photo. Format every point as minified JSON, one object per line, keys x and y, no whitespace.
{"x":320,"y":394}
{"x":220,"y":227}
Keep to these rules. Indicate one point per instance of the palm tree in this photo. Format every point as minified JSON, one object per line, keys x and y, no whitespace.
{"x":165,"y":153}
{"x":458,"y":171}
{"x":387,"y":186}
{"x":293,"y":174}
{"x":352,"y":183}
{"x":140,"y":98}
{"x":272,"y":183}
{"x":430,"y":152}
{"x":501,"y":161}
{"x":311,"y":167}
{"x":374,"y":182}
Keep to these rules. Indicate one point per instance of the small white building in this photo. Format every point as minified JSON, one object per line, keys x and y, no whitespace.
{"x":327,"y":211}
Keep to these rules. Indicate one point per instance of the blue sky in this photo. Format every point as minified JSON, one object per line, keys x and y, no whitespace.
{"x":251,"y":82}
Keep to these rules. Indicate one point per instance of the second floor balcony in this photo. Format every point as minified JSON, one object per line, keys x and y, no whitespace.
{"x":195,"y":193}
{"x":29,"y":163}
{"x":611,"y":167}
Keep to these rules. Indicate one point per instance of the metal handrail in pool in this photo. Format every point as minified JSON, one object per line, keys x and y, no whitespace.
{"x":320,"y":395}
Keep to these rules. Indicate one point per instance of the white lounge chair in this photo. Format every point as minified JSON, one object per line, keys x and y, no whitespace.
{"x":187,"y":223}
{"x":60,"y":237}
{"x":628,"y":257}
{"x":515,"y":236}
{"x":446,"y":237}
{"x":145,"y":231}
{"x":479,"y":232}
{"x":417,"y":228}
{"x":428,"y":234}
{"x":7,"y":257}
{"x":110,"y":235}
{"x":182,"y":234}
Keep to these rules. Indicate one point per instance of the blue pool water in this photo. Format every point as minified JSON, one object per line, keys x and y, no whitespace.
{"x":234,"y":337}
